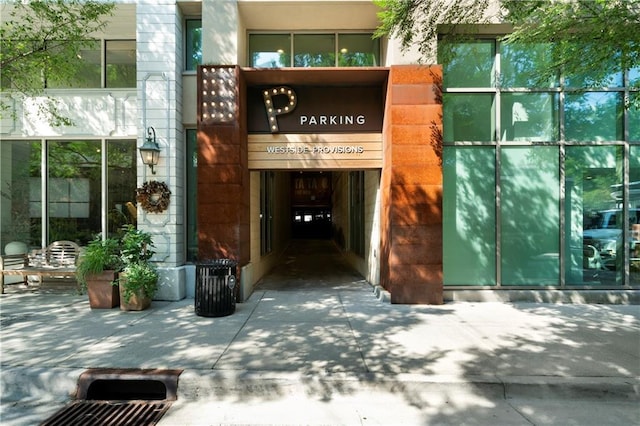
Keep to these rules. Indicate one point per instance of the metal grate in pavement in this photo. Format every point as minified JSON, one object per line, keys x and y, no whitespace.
{"x":119,"y":397}
{"x":109,"y":413}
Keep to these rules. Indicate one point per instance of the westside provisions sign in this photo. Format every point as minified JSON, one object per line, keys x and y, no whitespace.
{"x":311,"y":109}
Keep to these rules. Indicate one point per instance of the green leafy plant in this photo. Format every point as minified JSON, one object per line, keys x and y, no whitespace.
{"x":99,"y":255}
{"x":138,"y":278}
{"x":136,"y":246}
{"x":41,"y":38}
{"x":139,"y":275}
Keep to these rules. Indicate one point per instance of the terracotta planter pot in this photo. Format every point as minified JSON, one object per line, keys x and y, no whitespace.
{"x":102,"y":293}
{"x":137,"y":302}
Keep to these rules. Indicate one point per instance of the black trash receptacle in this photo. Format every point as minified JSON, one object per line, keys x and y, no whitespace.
{"x":215,"y":294}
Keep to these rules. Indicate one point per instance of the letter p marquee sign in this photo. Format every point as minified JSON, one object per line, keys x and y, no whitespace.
{"x":275,"y":105}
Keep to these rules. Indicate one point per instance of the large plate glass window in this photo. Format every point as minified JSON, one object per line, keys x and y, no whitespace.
{"x":593,"y":116}
{"x":633,"y":117}
{"x":270,"y":50}
{"x":358,"y":50}
{"x":469,"y":250}
{"x":594,"y":215}
{"x":541,"y":127}
{"x":469,"y":117}
{"x":314,"y":50}
{"x":73,"y":189}
{"x":120,"y":68}
{"x":634,"y":214}
{"x":529,"y":117}
{"x":470,"y":64}
{"x":21,"y":203}
{"x":86,"y":75}
{"x":121,"y":185}
{"x":523,"y":66}
{"x":530,"y":215}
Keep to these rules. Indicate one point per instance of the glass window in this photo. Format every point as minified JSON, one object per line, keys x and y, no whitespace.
{"x":470,"y":64}
{"x":529,"y":117}
{"x":193,"y":47}
{"x":270,"y":50}
{"x":74,"y":188}
{"x":121,"y":179}
{"x":521,"y":66}
{"x":21,"y":206}
{"x":634,"y":76}
{"x":192,"y":190}
{"x":314,"y":50}
{"x":88,"y":73}
{"x":121,"y":63}
{"x":468,"y":117}
{"x":634,"y":214}
{"x":592,"y":214}
{"x":633,"y":114}
{"x":469,"y":240}
{"x":587,"y":77}
{"x":593,"y":116}
{"x":593,"y":209}
{"x":530,"y":220}
{"x":358,"y":50}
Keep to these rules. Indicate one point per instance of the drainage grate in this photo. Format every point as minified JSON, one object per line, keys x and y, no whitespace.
{"x":109,"y":413}
{"x":119,"y":397}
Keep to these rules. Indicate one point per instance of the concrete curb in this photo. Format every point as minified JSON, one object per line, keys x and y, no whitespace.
{"x":59,"y":385}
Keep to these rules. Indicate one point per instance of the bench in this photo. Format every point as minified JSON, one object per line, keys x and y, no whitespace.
{"x":56,"y":260}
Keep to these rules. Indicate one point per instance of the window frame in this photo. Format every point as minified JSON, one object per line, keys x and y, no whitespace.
{"x":103,"y":68}
{"x":626,"y":91}
{"x":292,"y":34}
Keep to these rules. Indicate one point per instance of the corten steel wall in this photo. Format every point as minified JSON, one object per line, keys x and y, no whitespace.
{"x":223,"y":175}
{"x":411,"y":186}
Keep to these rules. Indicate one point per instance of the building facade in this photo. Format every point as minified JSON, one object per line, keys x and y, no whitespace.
{"x":277,"y":120}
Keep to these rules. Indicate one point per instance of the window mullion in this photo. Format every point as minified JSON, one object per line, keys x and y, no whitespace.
{"x":103,"y":58}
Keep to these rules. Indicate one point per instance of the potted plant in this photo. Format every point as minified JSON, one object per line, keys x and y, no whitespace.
{"x":97,"y":271}
{"x":138,"y":284}
{"x":139,"y":278}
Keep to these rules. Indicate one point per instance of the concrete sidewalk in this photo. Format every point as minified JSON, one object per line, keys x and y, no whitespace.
{"x":335,"y":357}
{"x":332,"y":353}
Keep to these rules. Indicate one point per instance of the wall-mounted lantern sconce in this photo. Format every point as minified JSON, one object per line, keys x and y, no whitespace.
{"x":150,"y":151}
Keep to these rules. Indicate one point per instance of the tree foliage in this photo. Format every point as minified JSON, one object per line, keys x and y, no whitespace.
{"x":42,"y":39}
{"x":595,"y":35}
{"x":416,"y":22}
{"x":601,"y":36}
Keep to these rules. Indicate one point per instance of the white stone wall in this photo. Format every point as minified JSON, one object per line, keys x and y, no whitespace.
{"x":159,"y":34}
{"x":96,"y":112}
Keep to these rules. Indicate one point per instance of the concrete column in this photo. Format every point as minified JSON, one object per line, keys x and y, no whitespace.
{"x":159,"y":94}
{"x":220,"y":22}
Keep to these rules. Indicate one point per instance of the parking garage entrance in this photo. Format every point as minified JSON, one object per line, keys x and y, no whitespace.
{"x":315,"y":228}
{"x":374,"y":129}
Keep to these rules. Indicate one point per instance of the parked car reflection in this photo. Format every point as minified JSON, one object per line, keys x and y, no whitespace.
{"x":606,"y":237}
